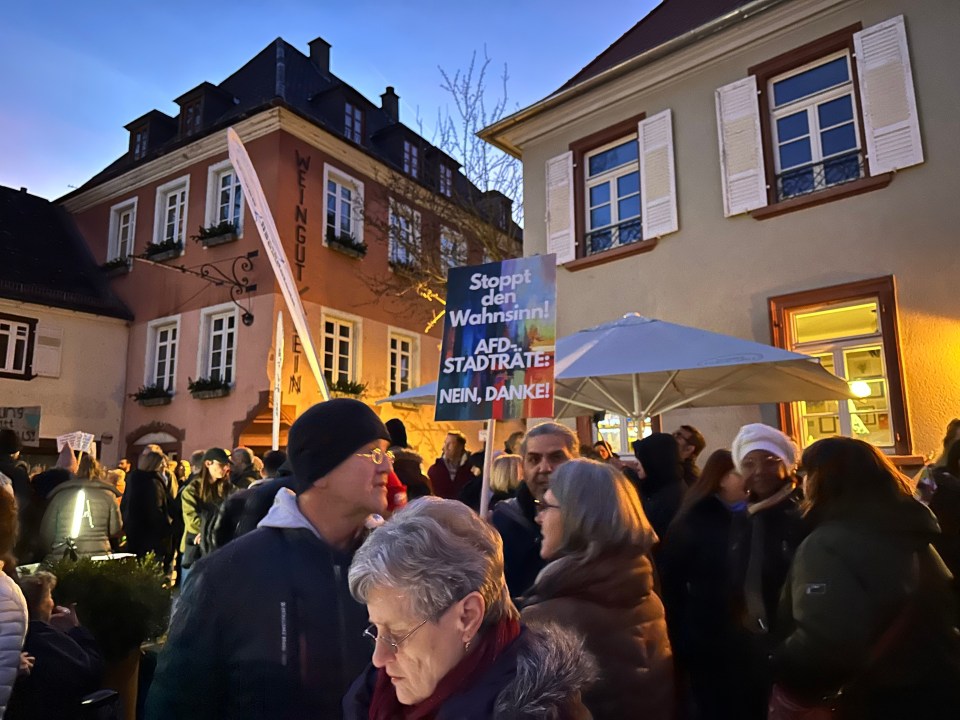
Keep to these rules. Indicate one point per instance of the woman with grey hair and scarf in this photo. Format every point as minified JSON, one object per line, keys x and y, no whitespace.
{"x":599,"y":583}
{"x":447,"y":640}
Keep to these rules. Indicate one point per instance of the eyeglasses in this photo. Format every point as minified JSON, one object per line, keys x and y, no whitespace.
{"x":543,"y":506}
{"x":371,"y":634}
{"x":770,"y":462}
{"x":377,"y":456}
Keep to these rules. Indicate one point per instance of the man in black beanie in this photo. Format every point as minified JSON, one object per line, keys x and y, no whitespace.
{"x":266,"y":626}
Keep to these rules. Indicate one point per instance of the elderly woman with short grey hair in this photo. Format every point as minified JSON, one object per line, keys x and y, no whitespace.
{"x":599,"y":583}
{"x":447,"y":641}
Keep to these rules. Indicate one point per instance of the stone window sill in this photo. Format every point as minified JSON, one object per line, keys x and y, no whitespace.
{"x":856,"y":187}
{"x":611,"y":255}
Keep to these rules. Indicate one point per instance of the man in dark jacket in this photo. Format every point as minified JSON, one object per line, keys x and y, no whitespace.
{"x":545,"y":448}
{"x":763,"y":543}
{"x":266,"y":627}
{"x":451,"y":472}
{"x":242,"y":471}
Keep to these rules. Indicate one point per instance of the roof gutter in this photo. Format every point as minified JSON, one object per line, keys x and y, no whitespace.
{"x":492,"y":133}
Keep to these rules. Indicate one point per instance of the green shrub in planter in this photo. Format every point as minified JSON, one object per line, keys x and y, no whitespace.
{"x":149,"y":392}
{"x":210,"y":383}
{"x":122,"y":602}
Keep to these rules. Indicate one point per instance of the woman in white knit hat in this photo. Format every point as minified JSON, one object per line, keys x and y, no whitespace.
{"x":763,"y":542}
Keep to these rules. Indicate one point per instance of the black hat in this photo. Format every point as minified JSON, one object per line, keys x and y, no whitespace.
{"x":9,"y":442}
{"x":329,"y":433}
{"x":216,"y":455}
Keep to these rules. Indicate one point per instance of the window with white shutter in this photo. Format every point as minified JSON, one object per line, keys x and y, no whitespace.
{"x":559,"y":187}
{"x":741,"y":147}
{"x":47,"y":351}
{"x":658,"y":181}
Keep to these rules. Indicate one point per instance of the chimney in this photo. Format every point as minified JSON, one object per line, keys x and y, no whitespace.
{"x":390,"y":103}
{"x":320,"y":55}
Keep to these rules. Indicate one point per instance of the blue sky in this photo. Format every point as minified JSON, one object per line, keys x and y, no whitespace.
{"x":72,"y":74}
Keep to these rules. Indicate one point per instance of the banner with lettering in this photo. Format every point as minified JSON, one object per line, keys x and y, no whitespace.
{"x":24,"y":421}
{"x":499,"y":339}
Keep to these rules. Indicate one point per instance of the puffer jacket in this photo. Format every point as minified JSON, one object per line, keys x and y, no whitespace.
{"x":265,"y":628}
{"x":99,"y":523}
{"x":610,"y":602}
{"x":869,"y":610}
{"x":540,"y":676}
{"x":13,"y":632}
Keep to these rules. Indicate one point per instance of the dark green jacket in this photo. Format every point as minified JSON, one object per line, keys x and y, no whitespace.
{"x":852,"y":579}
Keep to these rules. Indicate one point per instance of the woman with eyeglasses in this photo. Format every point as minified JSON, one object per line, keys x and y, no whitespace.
{"x":599,"y":583}
{"x":446,"y":638}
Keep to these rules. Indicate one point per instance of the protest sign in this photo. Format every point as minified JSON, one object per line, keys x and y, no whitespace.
{"x":499,"y":334}
{"x":78,"y":441}
{"x":24,"y":421}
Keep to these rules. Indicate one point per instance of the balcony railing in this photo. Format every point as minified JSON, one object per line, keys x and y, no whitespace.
{"x":615,"y":236}
{"x":820,"y":176}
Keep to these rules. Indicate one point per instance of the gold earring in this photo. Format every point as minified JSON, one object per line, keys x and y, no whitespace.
{"x":466,"y":646}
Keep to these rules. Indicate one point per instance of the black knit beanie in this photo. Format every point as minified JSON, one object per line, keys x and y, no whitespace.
{"x":329,"y":433}
{"x":9,"y":442}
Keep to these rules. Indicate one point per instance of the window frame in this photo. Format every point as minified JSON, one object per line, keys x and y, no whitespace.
{"x":402,"y":211}
{"x":411,"y":159}
{"x":883,"y":290}
{"x":159,"y":221}
{"x":445,"y":179}
{"x":212,"y":214}
{"x":395,"y":334}
{"x":31,"y":328}
{"x":188,"y":128}
{"x":581,"y":148}
{"x":356,"y":324}
{"x":154,"y":327}
{"x":792,"y":60}
{"x":141,"y":138}
{"x":205,"y":345}
{"x":113,"y":233}
{"x":342,"y":179}
{"x":458,"y":242}
{"x":353,"y":115}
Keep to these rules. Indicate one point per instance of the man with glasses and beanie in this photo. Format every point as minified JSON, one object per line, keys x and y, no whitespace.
{"x":266,"y":627}
{"x":690,"y":443}
{"x":763,"y":543}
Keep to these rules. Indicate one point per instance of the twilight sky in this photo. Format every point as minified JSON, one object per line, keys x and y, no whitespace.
{"x":72,"y":74}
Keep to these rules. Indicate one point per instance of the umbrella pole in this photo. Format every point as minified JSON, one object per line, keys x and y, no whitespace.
{"x":636,"y":395}
{"x":663,"y":389}
{"x":487,"y":465}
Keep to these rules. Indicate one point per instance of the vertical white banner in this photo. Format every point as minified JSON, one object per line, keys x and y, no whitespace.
{"x":257,"y":202}
{"x":277,"y":381}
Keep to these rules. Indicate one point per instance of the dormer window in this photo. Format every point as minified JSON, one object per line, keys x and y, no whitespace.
{"x":191,"y":115}
{"x":446,"y":181}
{"x":411,"y":159}
{"x":353,"y":122}
{"x":140,"y":143}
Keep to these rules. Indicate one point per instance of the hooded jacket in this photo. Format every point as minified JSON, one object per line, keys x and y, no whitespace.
{"x":407,"y":465}
{"x":853,"y":579}
{"x":610,"y":603}
{"x":540,"y":676}
{"x":145,"y":508}
{"x":99,"y":522}
{"x":661,"y":490}
{"x":265,"y":628}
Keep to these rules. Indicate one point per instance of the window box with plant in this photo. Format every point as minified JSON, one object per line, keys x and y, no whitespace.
{"x":151,"y":395}
{"x":405,"y":267}
{"x":225,"y":232}
{"x":347,"y":388}
{"x":207,"y":388}
{"x":166,"y":250}
{"x":344,"y":243}
{"x":117,"y":266}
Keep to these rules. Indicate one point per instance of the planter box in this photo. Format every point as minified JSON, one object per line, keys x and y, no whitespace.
{"x":208,"y":394}
{"x":338,"y":394}
{"x":151,"y":402}
{"x":219,"y":240}
{"x":345,"y":249}
{"x":165,"y":255}
{"x":117,"y":270}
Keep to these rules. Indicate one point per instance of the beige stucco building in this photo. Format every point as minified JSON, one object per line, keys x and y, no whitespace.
{"x":779,"y":170}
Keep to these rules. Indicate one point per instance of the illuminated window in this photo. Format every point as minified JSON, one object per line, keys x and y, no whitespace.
{"x":402,"y":353}
{"x":621,"y":432}
{"x":852,"y":331}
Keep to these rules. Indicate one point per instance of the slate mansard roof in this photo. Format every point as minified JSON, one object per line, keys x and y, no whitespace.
{"x":44,"y":260}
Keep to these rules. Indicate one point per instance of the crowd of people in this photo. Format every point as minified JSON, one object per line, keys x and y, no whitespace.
{"x":339,"y":580}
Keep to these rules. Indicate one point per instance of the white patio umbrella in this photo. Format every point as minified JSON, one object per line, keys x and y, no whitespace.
{"x":422,"y":395}
{"x":640,"y":367}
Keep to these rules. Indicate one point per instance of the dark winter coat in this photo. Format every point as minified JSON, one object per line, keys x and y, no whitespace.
{"x":446,"y":486}
{"x":30,"y":547}
{"x":68,"y":667}
{"x":145,"y":508}
{"x":539,"y":676}
{"x":100,"y":522}
{"x":611,"y":604}
{"x":18,"y":476}
{"x":200,"y":519}
{"x":265,"y":628}
{"x":854,"y":578}
{"x":242,"y":480}
{"x":662,"y":488}
{"x":515,"y":520}
{"x":259,"y":500}
{"x":945,"y":504}
{"x":407,"y":465}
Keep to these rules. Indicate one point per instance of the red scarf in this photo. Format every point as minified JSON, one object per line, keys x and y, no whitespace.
{"x":385,"y":706}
